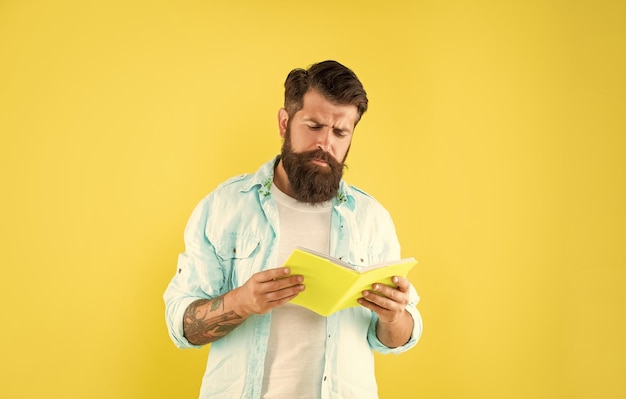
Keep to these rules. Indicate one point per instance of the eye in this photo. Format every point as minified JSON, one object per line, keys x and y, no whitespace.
{"x":315,"y":127}
{"x":340,"y":133}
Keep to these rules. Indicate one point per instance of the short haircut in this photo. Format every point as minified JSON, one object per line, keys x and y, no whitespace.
{"x":337,"y":83}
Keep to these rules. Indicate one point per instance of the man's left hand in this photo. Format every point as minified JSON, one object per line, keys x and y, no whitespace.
{"x":388,"y":303}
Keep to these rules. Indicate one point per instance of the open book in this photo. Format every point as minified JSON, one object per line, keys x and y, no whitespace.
{"x":332,"y":285}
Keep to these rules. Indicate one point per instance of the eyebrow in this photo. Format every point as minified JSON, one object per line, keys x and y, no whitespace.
{"x":335,"y":128}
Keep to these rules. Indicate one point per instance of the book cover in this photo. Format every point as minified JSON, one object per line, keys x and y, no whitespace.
{"x":332,"y":285}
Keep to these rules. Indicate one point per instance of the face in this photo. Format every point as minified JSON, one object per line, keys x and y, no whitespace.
{"x":316,"y":143}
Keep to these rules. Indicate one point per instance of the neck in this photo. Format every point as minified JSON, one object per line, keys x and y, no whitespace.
{"x":281,"y":180}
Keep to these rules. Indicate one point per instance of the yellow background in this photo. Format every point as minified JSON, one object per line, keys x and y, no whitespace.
{"x":495,"y":137}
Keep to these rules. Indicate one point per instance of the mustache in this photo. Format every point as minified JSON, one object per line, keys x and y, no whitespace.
{"x":316,"y":154}
{"x":321,"y":155}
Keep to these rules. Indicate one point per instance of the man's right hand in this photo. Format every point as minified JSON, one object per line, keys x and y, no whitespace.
{"x":265,"y":291}
{"x":207,"y":320}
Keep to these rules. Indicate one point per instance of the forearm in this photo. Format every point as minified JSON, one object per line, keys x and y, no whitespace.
{"x":207,"y":320}
{"x":396,"y":333}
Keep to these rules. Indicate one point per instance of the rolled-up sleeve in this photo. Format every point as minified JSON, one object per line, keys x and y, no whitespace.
{"x":389,"y":248}
{"x":199,"y":275}
{"x":415,"y":334}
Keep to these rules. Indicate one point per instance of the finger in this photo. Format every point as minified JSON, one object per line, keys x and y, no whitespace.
{"x":387,"y":297}
{"x":271,"y":274}
{"x":283,"y":282}
{"x":402,"y":283}
{"x":385,"y":290}
{"x":370,"y":305}
{"x":285,"y":294}
{"x":282,"y":301}
{"x":376,"y":303}
{"x":377,"y":299}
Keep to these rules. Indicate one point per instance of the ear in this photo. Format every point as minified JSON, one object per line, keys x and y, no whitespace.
{"x":283,"y":120}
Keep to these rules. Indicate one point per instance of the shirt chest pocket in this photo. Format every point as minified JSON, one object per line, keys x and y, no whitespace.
{"x":240,"y":257}
{"x":359,"y":256}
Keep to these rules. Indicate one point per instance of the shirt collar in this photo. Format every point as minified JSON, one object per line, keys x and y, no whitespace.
{"x":262,"y":180}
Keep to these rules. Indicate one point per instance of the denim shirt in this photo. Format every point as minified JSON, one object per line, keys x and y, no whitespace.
{"x":232,"y":234}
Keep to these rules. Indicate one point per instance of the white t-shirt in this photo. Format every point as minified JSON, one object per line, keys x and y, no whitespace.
{"x":295,"y":355}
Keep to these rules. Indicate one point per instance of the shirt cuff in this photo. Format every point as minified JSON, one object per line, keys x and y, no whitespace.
{"x":415,"y":334}
{"x":175,"y":324}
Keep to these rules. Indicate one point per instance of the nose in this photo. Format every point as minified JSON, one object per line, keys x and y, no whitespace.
{"x":324,"y":139}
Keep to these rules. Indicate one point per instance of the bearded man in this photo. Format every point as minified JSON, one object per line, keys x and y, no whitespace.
{"x":230,"y":288}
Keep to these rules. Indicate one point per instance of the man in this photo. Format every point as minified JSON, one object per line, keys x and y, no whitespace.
{"x":231,"y":290}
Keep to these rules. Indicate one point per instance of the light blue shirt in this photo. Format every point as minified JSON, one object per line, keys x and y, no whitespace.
{"x":232,"y":234}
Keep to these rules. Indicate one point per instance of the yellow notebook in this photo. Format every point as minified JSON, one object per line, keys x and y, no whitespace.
{"x":332,"y":285}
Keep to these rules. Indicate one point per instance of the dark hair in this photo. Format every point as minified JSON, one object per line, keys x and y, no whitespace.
{"x":337,"y":83}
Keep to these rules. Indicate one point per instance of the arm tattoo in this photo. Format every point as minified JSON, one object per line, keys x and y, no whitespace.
{"x":205,"y":321}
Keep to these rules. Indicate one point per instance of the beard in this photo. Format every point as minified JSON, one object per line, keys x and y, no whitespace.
{"x":309,"y":182}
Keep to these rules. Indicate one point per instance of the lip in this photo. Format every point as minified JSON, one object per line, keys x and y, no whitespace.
{"x":319,"y":162}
